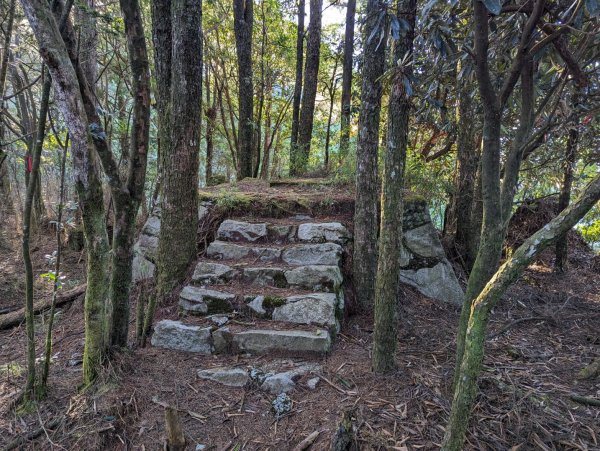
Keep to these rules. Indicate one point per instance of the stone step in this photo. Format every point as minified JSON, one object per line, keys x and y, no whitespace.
{"x":178,"y":336}
{"x":261,"y":341}
{"x":263,"y":232}
{"x":299,"y":254}
{"x":320,"y":309}
{"x":309,"y":277}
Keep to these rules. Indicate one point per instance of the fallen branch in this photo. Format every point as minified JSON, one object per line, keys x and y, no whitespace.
{"x":304,"y":444}
{"x":17,"y":317}
{"x":590,"y":371}
{"x":585,"y":400}
{"x":16,"y":443}
{"x":514,"y":323}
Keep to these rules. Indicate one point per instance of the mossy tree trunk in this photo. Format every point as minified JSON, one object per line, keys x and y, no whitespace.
{"x":387,"y":286}
{"x":465,"y":389}
{"x":179,"y":193}
{"x":244,"y":19}
{"x":366,"y":206}
{"x":299,"y":163}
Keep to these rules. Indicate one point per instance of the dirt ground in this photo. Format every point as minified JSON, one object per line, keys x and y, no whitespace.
{"x":542,"y":333}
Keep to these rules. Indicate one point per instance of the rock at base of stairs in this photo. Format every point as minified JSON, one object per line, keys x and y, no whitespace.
{"x":176,"y":335}
{"x":260,"y":341}
{"x":232,"y":377}
{"x":202,"y":301}
{"x":313,"y":254}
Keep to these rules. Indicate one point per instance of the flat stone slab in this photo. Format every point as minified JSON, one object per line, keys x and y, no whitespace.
{"x":315,"y":277}
{"x":203,"y":301}
{"x":229,"y":251}
{"x":232,"y":377}
{"x":438,"y":282}
{"x":141,"y":268}
{"x":313,"y":254}
{"x":176,"y":335}
{"x":211,"y":272}
{"x":321,"y":232}
{"x":318,"y":309}
{"x":265,"y":277}
{"x":281,"y":233}
{"x":231,"y":230}
{"x":260,"y":341}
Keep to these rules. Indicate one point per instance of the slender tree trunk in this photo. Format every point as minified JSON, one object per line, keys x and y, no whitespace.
{"x":366,"y":209}
{"x":243,"y":14}
{"x":347,"y":80}
{"x":387,"y":287}
{"x":127,"y":199}
{"x":297,"y":83}
{"x":470,"y":364}
{"x":562,"y":245}
{"x":264,"y":170}
{"x":309,"y":91}
{"x":211,"y":116}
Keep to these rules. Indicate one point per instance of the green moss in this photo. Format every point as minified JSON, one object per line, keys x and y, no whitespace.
{"x":218,"y":306}
{"x":271,"y":302}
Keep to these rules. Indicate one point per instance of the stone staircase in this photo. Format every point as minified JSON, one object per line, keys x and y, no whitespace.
{"x":263,"y":286}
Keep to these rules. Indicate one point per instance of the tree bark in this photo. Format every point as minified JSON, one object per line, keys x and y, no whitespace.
{"x":366,"y":208}
{"x":309,"y":91}
{"x":177,"y":240}
{"x":387,"y":286}
{"x":297,"y":82}
{"x":211,"y":116}
{"x":243,"y":14}
{"x":470,"y":364}
{"x":347,"y":80}
{"x":562,"y":245}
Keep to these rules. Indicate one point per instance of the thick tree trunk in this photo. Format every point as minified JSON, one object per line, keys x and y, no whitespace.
{"x":243,"y":14}
{"x":458,"y":228}
{"x":366,"y":209}
{"x":309,"y":91}
{"x":177,"y":240}
{"x":347,"y":80}
{"x":297,"y":82}
{"x":387,"y":287}
{"x":470,"y":364}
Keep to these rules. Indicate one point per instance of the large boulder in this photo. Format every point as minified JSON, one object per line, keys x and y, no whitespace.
{"x":176,"y":335}
{"x":438,"y":282}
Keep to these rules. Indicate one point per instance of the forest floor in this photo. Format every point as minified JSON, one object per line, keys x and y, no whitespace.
{"x":542,"y":333}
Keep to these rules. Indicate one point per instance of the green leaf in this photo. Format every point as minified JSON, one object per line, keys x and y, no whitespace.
{"x":493,"y":6}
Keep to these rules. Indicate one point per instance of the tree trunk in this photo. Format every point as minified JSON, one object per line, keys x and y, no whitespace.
{"x":211,"y":116}
{"x":297,"y":83}
{"x":366,"y":209}
{"x":387,"y":286}
{"x":470,"y":364}
{"x":309,"y":91}
{"x":562,"y":245}
{"x":4,"y":176}
{"x":127,"y":199}
{"x":243,"y":14}
{"x":347,"y":80}
{"x":458,"y":227}
{"x":177,"y":240}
